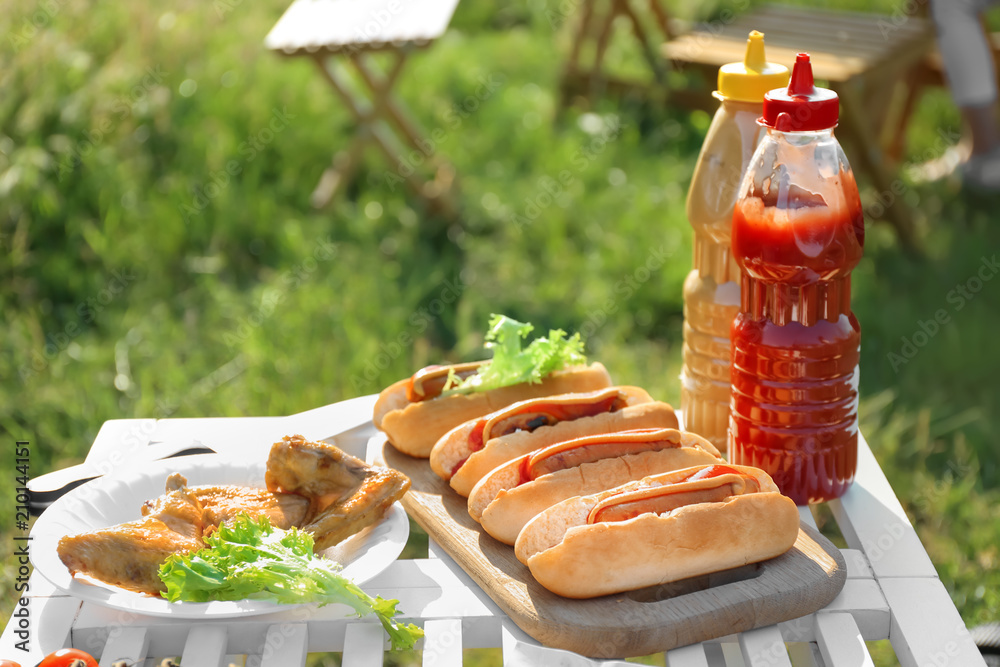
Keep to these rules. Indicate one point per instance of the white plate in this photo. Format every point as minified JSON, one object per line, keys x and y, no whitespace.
{"x":116,"y":498}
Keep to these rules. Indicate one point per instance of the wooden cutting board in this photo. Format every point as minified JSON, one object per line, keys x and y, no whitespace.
{"x":799,"y":582}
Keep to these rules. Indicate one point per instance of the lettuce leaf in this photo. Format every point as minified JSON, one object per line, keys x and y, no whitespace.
{"x":512,"y":364}
{"x":247,"y":558}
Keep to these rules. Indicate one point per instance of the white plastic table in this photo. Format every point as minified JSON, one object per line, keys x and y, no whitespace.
{"x":892,"y":590}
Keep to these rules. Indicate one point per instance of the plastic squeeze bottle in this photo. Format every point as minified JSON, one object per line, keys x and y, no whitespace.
{"x":798,"y":231}
{"x":712,"y":289}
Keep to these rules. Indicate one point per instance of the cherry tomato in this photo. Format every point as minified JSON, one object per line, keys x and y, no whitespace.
{"x":66,"y":657}
{"x":9,"y":663}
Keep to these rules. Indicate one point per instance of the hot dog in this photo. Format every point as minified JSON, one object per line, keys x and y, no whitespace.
{"x":468,"y":452}
{"x":414,"y":415}
{"x":511,"y":495}
{"x":659,"y":529}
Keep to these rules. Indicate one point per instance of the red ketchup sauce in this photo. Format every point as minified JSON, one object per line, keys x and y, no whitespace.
{"x":711,"y":471}
{"x":798,"y":231}
{"x":553,"y":413}
{"x":658,"y":499}
{"x":573,"y":453}
{"x":794,"y":373}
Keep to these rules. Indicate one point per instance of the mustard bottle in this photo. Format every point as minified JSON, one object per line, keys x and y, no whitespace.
{"x":712,"y":289}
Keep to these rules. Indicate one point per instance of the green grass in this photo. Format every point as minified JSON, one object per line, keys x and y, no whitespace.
{"x":120,"y":302}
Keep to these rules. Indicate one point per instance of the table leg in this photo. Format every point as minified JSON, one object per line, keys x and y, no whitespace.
{"x":436,"y":191}
{"x":914,"y":90}
{"x":339,"y":172}
{"x":595,"y":83}
{"x":867,"y":155}
{"x":591,"y":82}
{"x":662,"y":19}
{"x":926,"y":627}
{"x":373,"y":116}
{"x":878,"y":91}
{"x":571,"y":77}
{"x":389,"y":105}
{"x":572,"y":65}
{"x":647,"y":48}
{"x":365,"y":114}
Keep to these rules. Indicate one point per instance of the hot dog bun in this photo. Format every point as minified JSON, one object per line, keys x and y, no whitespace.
{"x":575,"y":559}
{"x":413,"y":428}
{"x":641,"y":412}
{"x":503,"y":502}
{"x":455,"y":447}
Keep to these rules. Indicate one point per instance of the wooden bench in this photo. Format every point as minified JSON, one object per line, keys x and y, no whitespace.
{"x":583,"y":74}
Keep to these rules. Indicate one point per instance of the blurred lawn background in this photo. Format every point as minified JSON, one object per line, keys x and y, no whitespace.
{"x":129,"y":281}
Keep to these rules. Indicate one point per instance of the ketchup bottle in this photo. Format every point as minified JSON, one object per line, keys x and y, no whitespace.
{"x":712,"y":289}
{"x":798,"y":231}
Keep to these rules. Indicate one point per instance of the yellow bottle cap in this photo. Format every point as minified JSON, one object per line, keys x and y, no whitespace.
{"x":749,"y":80}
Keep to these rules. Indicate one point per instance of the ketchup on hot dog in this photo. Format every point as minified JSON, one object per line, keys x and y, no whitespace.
{"x":572,"y":453}
{"x":429,"y":382}
{"x":533,"y":415}
{"x":662,"y":499}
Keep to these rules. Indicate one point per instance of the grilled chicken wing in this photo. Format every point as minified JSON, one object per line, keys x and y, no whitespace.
{"x":313,"y":485}
{"x":346,"y":493}
{"x":315,"y":470}
{"x":222,"y":503}
{"x":130,"y":554}
{"x":381,"y":488}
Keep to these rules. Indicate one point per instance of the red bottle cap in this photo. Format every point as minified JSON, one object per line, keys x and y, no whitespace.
{"x":802,"y":107}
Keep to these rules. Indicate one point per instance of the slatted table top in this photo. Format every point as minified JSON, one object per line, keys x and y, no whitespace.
{"x":892,"y":591}
{"x":308,"y":26}
{"x":842,"y":44}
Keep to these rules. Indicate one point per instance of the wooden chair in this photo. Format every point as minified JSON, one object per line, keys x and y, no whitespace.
{"x":585,"y":76}
{"x":866,"y":58}
{"x":342,"y":34}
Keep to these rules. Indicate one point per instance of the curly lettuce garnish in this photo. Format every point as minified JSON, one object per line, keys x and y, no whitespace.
{"x":247,"y":558}
{"x":511,"y":364}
